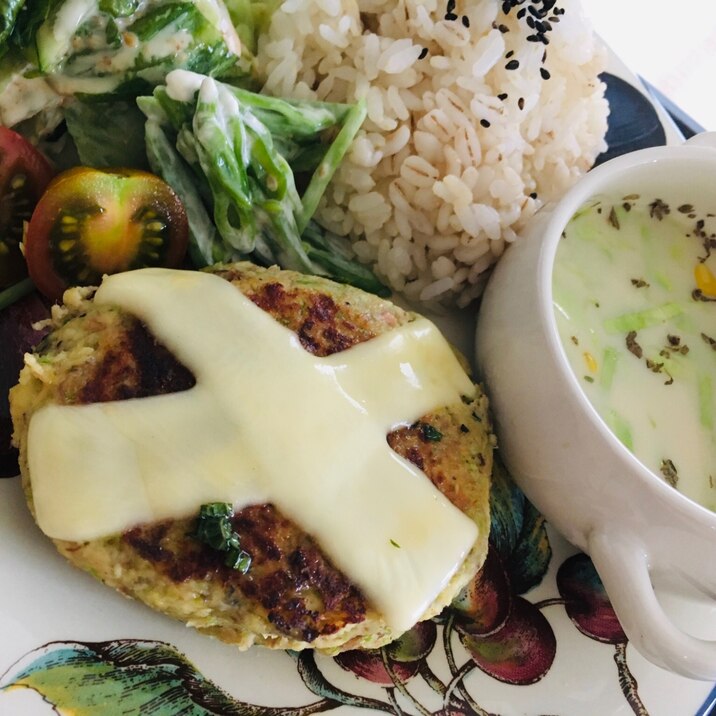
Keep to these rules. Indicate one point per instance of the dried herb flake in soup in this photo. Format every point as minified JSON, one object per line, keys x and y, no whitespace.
{"x":635,"y":283}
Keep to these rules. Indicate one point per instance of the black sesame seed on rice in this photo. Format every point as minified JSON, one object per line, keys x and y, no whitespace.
{"x":505,"y":99}
{"x":545,"y":73}
{"x":465,"y":21}
{"x":540,"y":15}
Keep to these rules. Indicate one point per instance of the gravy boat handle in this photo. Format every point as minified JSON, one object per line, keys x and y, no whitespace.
{"x":623,"y":566}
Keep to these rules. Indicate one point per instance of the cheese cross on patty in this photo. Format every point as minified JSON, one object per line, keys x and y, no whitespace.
{"x":265,"y":422}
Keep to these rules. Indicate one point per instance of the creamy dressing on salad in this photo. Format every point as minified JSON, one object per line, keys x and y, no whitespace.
{"x":70,"y":16}
{"x":166,"y":43}
{"x":182,"y":85}
{"x":22,"y":97}
{"x":265,"y":422}
{"x":217,"y":14}
{"x":82,"y":48}
{"x":635,"y":302}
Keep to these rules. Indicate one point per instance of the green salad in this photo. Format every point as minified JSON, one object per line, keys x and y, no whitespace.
{"x":167,"y":87}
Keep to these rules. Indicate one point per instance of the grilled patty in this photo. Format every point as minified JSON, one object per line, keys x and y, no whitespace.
{"x":293,"y":596}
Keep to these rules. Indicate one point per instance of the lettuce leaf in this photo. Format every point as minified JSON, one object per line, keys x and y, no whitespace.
{"x":116,"y":49}
{"x":230,"y":149}
{"x":9,"y":10}
{"x":107,"y":134}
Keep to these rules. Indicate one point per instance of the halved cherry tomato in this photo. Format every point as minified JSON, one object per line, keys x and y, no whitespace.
{"x":92,"y":222}
{"x":24,"y":175}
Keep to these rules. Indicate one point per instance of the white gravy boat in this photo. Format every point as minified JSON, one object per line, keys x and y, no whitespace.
{"x":562,"y":454}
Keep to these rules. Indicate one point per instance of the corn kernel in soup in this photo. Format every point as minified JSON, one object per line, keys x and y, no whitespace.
{"x":634,"y":291}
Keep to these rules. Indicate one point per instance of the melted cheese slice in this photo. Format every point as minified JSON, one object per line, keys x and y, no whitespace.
{"x":266,"y":422}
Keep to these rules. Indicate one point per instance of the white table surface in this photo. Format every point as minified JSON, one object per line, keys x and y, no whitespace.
{"x":674,"y":51}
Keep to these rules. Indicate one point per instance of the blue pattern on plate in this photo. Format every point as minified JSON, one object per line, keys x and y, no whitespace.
{"x":709,"y":706}
{"x":633,"y":121}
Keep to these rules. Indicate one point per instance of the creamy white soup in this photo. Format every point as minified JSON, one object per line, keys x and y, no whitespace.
{"x":634,"y":290}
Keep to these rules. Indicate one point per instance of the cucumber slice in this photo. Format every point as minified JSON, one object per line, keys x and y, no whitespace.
{"x":54,"y":36}
{"x":218,"y":16}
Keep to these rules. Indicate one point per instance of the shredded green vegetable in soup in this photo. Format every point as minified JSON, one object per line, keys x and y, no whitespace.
{"x":634,"y":293}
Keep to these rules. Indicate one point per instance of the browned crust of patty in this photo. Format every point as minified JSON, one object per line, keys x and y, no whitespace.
{"x":445,"y":461}
{"x":324,"y":323}
{"x":291,"y":582}
{"x":135,"y":367}
{"x":291,"y":585}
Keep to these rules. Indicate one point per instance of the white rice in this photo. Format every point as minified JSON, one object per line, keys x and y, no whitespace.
{"x":430,"y":196}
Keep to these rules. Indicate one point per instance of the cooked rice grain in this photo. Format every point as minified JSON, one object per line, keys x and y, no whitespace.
{"x":458,"y":151}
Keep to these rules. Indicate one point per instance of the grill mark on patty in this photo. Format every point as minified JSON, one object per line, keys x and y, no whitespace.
{"x":314,"y":317}
{"x":302,"y":593}
{"x":323,"y":326}
{"x":136,"y":366}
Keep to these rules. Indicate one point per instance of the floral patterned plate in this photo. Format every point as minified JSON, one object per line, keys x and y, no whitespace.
{"x":534,"y":632}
